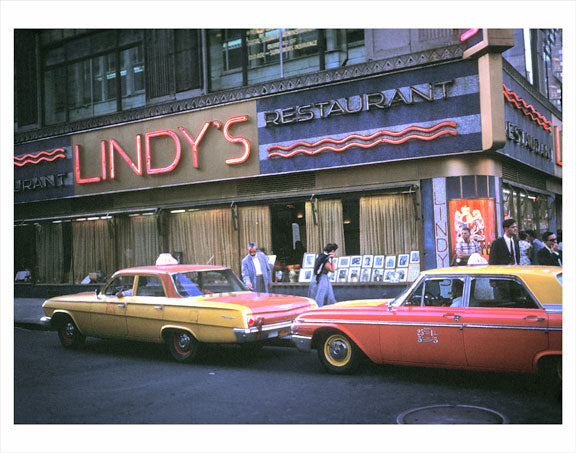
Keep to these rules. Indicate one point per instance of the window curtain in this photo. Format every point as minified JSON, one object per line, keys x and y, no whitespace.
{"x":255,"y":226}
{"x":329,"y":227}
{"x":138,"y":242}
{"x":50,"y":253}
{"x":93,"y":248}
{"x":388,"y":225}
{"x":205,"y":237}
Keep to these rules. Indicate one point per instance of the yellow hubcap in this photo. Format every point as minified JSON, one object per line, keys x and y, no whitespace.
{"x":337,"y":350}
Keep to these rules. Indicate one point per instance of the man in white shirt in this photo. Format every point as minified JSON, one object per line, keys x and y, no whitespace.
{"x":256,"y":272}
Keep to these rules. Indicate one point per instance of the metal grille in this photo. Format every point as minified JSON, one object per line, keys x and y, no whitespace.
{"x":277,"y":184}
{"x":529,"y":178}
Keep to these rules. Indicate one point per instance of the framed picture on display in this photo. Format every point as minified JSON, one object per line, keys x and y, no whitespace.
{"x":367,"y":260}
{"x":413,"y":272}
{"x":332,"y":276}
{"x":378,"y":275}
{"x":390,"y":261}
{"x":356,"y":260}
{"x":379,"y":261}
{"x":403,"y":260}
{"x":343,"y":261}
{"x":390,"y":276}
{"x":335,"y":262}
{"x":305,"y":275}
{"x":414,"y":257}
{"x":401,"y":274}
{"x":354,"y":275}
{"x":342,"y":275}
{"x":308,"y":260}
{"x":365,"y":274}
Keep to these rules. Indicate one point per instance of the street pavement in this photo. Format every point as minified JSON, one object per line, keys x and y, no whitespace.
{"x":27,"y":312}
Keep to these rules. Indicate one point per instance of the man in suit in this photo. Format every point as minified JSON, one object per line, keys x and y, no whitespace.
{"x":505,"y":249}
{"x":550,"y":255}
{"x":256,"y":272}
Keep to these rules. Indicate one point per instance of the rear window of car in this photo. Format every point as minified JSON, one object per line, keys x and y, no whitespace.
{"x":559,"y":277}
{"x":193,"y":283}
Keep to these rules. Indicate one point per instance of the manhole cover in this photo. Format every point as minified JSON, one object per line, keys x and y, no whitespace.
{"x":449,"y":414}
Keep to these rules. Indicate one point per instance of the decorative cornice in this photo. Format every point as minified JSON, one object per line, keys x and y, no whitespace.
{"x":299,"y":82}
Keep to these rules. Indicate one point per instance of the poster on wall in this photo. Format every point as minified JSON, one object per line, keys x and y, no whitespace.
{"x":477,"y":214}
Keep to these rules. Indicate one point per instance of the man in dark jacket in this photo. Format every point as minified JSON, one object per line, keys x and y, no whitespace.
{"x":550,"y":255}
{"x":505,"y":249}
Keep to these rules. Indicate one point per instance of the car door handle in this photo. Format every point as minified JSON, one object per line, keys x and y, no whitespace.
{"x":451,"y":315}
{"x":122,"y":305}
{"x":534,"y":318}
{"x":158,"y":307}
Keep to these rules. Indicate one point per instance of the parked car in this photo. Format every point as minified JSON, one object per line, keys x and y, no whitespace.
{"x":492,"y":318}
{"x":182,"y":306}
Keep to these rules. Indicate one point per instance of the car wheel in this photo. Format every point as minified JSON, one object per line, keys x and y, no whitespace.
{"x":338,"y":354}
{"x":183,"y":346}
{"x":69,"y":335}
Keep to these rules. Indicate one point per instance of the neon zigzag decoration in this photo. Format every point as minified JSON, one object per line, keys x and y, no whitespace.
{"x":305,"y":148}
{"x":527,"y":109}
{"x":34,"y":159}
{"x":468,"y":34}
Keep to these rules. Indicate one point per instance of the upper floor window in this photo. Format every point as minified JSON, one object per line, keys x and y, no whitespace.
{"x":92,"y":74}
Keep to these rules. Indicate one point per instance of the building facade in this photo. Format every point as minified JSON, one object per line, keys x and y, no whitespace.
{"x":130,"y":143}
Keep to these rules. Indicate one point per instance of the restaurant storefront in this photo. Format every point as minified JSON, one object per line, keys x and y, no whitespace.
{"x":389,"y":167}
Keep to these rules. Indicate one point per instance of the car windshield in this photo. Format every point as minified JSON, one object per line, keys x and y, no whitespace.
{"x":198,"y":283}
{"x":402,"y":297}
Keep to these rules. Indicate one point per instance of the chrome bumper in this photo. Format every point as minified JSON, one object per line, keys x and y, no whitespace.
{"x":46,"y":321}
{"x":272,"y":331}
{"x":302,"y":343}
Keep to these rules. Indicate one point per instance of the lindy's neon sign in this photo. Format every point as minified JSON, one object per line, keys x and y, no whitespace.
{"x":109,"y":149}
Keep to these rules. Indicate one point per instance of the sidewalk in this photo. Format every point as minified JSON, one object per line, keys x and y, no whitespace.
{"x":27,"y":312}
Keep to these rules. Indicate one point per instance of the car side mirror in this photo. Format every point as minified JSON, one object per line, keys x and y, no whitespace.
{"x":119,"y":294}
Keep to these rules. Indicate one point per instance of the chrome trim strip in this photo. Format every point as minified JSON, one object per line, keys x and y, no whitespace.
{"x":425,"y":324}
{"x":553,"y":308}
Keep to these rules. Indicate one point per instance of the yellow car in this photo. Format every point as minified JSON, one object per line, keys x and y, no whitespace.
{"x":180,"y":305}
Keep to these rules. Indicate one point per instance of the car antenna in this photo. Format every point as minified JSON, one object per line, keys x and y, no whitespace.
{"x":211,"y":258}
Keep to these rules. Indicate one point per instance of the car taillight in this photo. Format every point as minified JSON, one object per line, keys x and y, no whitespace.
{"x":250,"y":321}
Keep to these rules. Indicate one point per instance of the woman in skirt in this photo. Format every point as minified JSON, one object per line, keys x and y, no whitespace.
{"x":320,"y":286}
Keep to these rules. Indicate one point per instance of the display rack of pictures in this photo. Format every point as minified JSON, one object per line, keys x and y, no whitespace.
{"x":404,"y":267}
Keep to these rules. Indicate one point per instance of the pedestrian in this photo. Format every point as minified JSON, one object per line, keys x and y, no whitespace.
{"x":559,"y":237}
{"x":256,"y":272}
{"x":536,"y":243}
{"x":320,"y":286}
{"x":550,"y":255}
{"x":525,"y":249}
{"x":466,"y":246}
{"x":505,"y":249}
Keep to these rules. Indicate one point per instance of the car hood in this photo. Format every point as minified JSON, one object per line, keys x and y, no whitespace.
{"x":349,"y":308}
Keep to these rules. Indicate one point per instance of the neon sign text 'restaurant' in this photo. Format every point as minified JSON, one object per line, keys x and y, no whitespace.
{"x":111,"y":148}
{"x":358,"y":103}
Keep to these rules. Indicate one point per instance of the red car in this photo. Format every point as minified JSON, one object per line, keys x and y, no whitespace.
{"x":498,"y":318}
